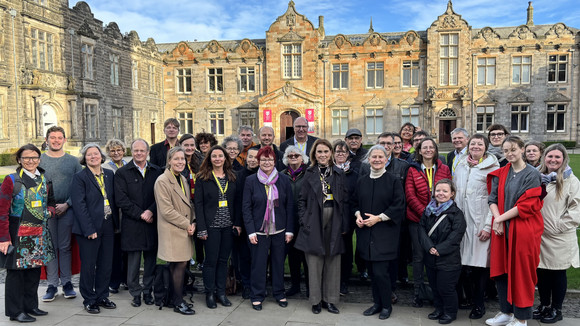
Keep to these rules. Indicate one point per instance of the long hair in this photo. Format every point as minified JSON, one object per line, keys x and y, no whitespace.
{"x":194,"y":163}
{"x":419,"y":157}
{"x":207,"y":167}
{"x":318,"y":142}
{"x":560,"y":172}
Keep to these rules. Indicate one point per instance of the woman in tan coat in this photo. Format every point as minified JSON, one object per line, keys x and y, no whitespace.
{"x":175,"y":223}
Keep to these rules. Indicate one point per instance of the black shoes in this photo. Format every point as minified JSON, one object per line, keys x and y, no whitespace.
{"x":292,"y":291}
{"x":385,"y":313}
{"x":372,"y":310}
{"x":37,"y":312}
{"x":107,"y":304}
{"x":446,"y":319}
{"x":246,"y":293}
{"x":224,"y":300}
{"x":92,"y":308}
{"x":330,"y":307}
{"x":552,"y":316}
{"x":257,"y":307}
{"x":316,"y":308}
{"x":435,"y":315}
{"x":136,"y":301}
{"x":364,"y":276}
{"x":417,"y":302}
{"x":282,"y":304}
{"x":540,"y":311}
{"x":394,"y":298}
{"x":148,"y":298}
{"x":23,"y":318}
{"x":184,"y":309}
{"x":210,"y":301}
{"x":343,"y":289}
{"x":477,"y":313}
{"x":113,"y":290}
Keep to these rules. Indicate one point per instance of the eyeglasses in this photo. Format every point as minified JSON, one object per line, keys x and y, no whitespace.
{"x":398,"y":143}
{"x":266,"y":160}
{"x":293,"y":156}
{"x":30,"y":159}
{"x":340,"y":152}
{"x":385,"y":144}
{"x":497,"y":134}
{"x":301,"y":127}
{"x":232,"y":149}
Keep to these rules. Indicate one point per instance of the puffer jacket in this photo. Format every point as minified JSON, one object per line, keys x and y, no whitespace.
{"x":417,"y":190}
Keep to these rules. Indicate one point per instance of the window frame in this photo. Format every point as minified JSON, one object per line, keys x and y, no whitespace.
{"x":521,"y":66}
{"x":342,"y":74}
{"x":2,"y":116}
{"x":486,"y":67}
{"x":375,"y":70}
{"x":114,"y":75}
{"x":88,"y":60}
{"x":449,"y":64}
{"x":409,"y":117}
{"x":556,"y":112}
{"x":218,"y":79}
{"x":292,"y":66}
{"x":556,"y":70}
{"x":486,"y":113}
{"x":374,"y":117}
{"x":412,"y":70}
{"x":253,"y":121}
{"x":183,"y":79}
{"x":247,"y":75}
{"x":152,"y":78}
{"x":519,"y":113}
{"x":42,"y":49}
{"x":91,"y":114}
{"x":117,"y":117}
{"x":341,"y":120}
{"x":216,"y":129}
{"x":134,"y":74}
{"x":186,"y":119}
{"x":136,"y":124}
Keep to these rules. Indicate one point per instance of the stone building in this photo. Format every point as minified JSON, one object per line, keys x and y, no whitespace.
{"x":61,"y":66}
{"x":450,"y":75}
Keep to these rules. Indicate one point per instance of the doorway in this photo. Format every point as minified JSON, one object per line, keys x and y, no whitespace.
{"x":287,"y":125}
{"x":445,"y":129}
{"x":48,"y":118}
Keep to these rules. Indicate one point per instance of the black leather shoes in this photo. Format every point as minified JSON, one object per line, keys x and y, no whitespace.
{"x":184,"y":309}
{"x":292,"y":291}
{"x":476,"y":313}
{"x":92,"y":308}
{"x":107,"y":304}
{"x":417,"y":302}
{"x":224,"y":300}
{"x":540,"y":311}
{"x":113,"y":290}
{"x":446,"y":319}
{"x":282,"y":304}
{"x":552,"y":316}
{"x":435,"y":315}
{"x":257,"y":307}
{"x":210,"y":301}
{"x":246,"y":293}
{"x":136,"y":301}
{"x":385,"y":313}
{"x":23,"y":318}
{"x":37,"y":312}
{"x":316,"y":309}
{"x":330,"y":307}
{"x":148,"y":299}
{"x":372,"y":310}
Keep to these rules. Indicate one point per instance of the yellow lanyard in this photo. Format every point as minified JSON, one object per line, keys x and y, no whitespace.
{"x":219,"y":185}
{"x":40,"y":185}
{"x":101,"y":183}
{"x":429,"y":173}
{"x":454,"y":165}
{"x":302,"y":147}
{"x":181,"y":184}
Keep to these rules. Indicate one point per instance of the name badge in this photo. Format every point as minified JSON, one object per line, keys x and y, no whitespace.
{"x":106,"y":202}
{"x":223,"y":203}
{"x":329,"y":197}
{"x":36,"y":203}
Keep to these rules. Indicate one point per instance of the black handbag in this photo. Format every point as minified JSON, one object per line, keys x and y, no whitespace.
{"x":6,"y":259}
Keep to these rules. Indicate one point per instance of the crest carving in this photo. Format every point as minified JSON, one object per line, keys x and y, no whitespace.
{"x":487,"y":34}
{"x":339,"y":42}
{"x":411,"y":38}
{"x":375,"y":40}
{"x":523,"y":33}
{"x":290,"y":20}
{"x":559,"y":30}
{"x":449,"y":22}
{"x":245,"y":46}
{"x":213,"y":47}
{"x":181,"y":48}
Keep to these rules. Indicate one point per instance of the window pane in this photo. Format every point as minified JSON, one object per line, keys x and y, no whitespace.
{"x":491,"y":75}
{"x":526,"y":74}
{"x":560,"y":122}
{"x":380,"y":80}
{"x":345,"y":79}
{"x":516,"y":74}
{"x":371,"y":79}
{"x":524,"y":122}
{"x":407,"y":77}
{"x":481,"y":75}
{"x":335,"y":80}
{"x":550,"y":122}
{"x":514,"y":124}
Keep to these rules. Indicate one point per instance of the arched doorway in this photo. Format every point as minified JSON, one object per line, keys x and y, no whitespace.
{"x":48,"y":118}
{"x":287,"y":124}
{"x":447,"y":122}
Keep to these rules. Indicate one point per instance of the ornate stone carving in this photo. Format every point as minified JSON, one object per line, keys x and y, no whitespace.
{"x":245,"y":46}
{"x":523,"y":33}
{"x":287,"y":89}
{"x":447,"y":113}
{"x":339,"y":41}
{"x":213,"y":47}
{"x":557,"y":97}
{"x":559,"y":30}
{"x":449,"y":22}
{"x":411,"y":37}
{"x":85,"y":30}
{"x":71,"y":83}
{"x":520,"y":98}
{"x":431,"y":92}
{"x":290,"y":20}
{"x":375,"y":40}
{"x":182,"y":48}
{"x":291,"y":36}
{"x":487,"y":34}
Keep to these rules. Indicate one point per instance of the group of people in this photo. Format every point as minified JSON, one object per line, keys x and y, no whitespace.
{"x":494,"y":209}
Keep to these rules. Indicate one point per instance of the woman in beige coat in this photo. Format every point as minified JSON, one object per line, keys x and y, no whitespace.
{"x":559,"y":247}
{"x":175,"y":223}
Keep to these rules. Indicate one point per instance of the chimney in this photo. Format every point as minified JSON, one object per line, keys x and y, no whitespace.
{"x":321,"y":26}
{"x":530,"y":21}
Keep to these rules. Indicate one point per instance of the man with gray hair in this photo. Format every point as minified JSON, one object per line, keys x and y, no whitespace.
{"x":301,"y":138}
{"x":246,"y":135}
{"x":459,"y":138}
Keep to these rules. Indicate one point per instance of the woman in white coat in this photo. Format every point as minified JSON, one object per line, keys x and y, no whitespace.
{"x":559,"y":247}
{"x":471,"y":182}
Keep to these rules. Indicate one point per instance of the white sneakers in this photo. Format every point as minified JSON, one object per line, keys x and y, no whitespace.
{"x":516,"y":322}
{"x":501,"y":319}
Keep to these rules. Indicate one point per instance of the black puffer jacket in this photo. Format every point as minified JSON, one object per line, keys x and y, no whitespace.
{"x":446,"y":239}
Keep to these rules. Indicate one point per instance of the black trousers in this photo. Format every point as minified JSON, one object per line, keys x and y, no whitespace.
{"x":552,"y":286}
{"x":133,"y":271}
{"x":296,"y":260}
{"x":242,"y":258}
{"x":405,"y":251}
{"x":218,"y":248}
{"x":96,"y":264}
{"x":199,"y":245}
{"x":21,"y":291}
{"x":443,"y":284}
{"x":380,"y":274}
{"x":418,"y":252}
{"x":119,"y":274}
{"x":275,"y":246}
{"x":521,"y":313}
{"x":346,"y":258}
{"x":474,"y":284}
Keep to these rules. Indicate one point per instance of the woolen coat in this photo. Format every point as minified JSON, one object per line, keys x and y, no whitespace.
{"x":375,"y":196}
{"x":174,"y":215}
{"x":310,"y":239}
{"x":207,"y":199}
{"x":290,"y":141}
{"x":88,"y":203}
{"x":559,"y":247}
{"x":471,"y":198}
{"x":417,"y":189}
{"x":134,"y":194}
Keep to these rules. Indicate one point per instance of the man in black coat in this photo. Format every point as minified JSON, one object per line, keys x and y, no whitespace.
{"x":301,"y":138}
{"x":459,"y":138}
{"x":134,"y":184}
{"x":266,"y":137}
{"x":159,"y":150}
{"x":353,"y":140}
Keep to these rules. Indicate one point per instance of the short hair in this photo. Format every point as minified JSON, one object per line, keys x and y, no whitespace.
{"x":294,"y":123}
{"x":27,"y":147}
{"x":419,"y":157}
{"x":55,"y":129}
{"x":448,"y":182}
{"x":497,"y":126}
{"x":185,"y":137}
{"x":245,"y":127}
{"x":264,"y":127}
{"x":458,"y":130}
{"x":514,"y":140}
{"x":84,"y":150}
{"x":112,"y":143}
{"x":171,"y":121}
{"x":536,"y":143}
{"x":171,"y":152}
{"x":294,"y":149}
{"x":142,"y":140}
{"x":386,"y":134}
{"x":234,"y":139}
{"x":318,"y":142}
{"x":202,"y":137}
{"x":407,"y":124}
{"x":419,"y":133}
{"x":479,"y":136}
{"x":341,"y":143}
{"x":265,"y":151}
{"x":375,"y":148}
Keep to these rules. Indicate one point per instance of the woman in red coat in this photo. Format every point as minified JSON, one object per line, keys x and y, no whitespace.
{"x":423,"y":174}
{"x":515,"y":200}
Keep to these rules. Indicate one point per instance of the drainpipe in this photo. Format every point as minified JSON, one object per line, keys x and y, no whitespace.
{"x":324,"y":97}
{"x":13,"y":14}
{"x":572,"y":51}
{"x":473,"y":111}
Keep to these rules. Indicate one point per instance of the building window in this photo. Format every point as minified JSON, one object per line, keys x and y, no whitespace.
{"x":91,"y":121}
{"x":411,"y":73}
{"x":292,"y":59}
{"x":186,"y":122}
{"x":340,"y":76}
{"x":247,"y":79}
{"x":2,"y":115}
{"x":484,"y":117}
{"x":216,"y":122}
{"x":520,"y":115}
{"x":374,"y":121}
{"x":449,"y":54}
{"x":136,"y":124}
{"x":410,"y":114}
{"x":485,"y":71}
{"x":183,"y":81}
{"x":87,"y":52}
{"x":339,"y":121}
{"x":42,"y":49}
{"x":151,"y":78}
{"x":114,"y":58}
{"x":215,"y":77}
{"x":117,"y":123}
{"x":521,"y":68}
{"x":135,"y":74}
{"x":555,"y":119}
{"x":375,"y":75}
{"x":557,"y":67}
{"x":249,"y":118}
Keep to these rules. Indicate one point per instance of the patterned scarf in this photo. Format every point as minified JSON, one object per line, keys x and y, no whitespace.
{"x":432,"y":208}
{"x":473,"y":162}
{"x":344,"y":166}
{"x":269,"y":223}
{"x":551,"y":177}
{"x":295,"y":173}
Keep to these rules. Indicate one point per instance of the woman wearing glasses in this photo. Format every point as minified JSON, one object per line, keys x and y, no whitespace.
{"x":233,"y":146}
{"x":496,"y":135}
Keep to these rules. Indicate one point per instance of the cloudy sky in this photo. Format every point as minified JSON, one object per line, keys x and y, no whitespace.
{"x":203,"y":20}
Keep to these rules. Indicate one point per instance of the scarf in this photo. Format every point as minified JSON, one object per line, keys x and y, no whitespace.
{"x":344,"y":166}
{"x":496,"y":151}
{"x":551,"y":177}
{"x":272,"y":200}
{"x":473,"y":162}
{"x":375,"y":174}
{"x":295,"y":173}
{"x":432,"y":208}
